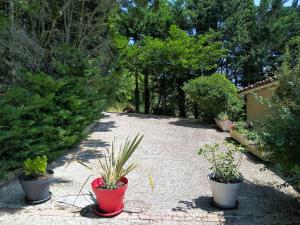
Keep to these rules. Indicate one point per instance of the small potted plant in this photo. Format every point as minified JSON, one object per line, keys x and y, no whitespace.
{"x":110,"y":187}
{"x":36,"y":180}
{"x":225,"y":179}
{"x":222,"y":121}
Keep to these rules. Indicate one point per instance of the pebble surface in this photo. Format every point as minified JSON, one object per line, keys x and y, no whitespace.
{"x":168,"y":153}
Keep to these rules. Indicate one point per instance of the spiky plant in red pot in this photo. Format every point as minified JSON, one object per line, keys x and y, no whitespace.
{"x":110,"y":187}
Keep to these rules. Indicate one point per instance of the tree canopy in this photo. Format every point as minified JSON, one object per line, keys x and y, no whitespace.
{"x":156,"y":44}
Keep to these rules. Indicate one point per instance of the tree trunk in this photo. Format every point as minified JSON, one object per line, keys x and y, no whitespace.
{"x":164,"y":96}
{"x":196,"y":111}
{"x":137,"y":94}
{"x":181,"y":98}
{"x":158,"y":102}
{"x":146,"y":93}
{"x":12,"y":16}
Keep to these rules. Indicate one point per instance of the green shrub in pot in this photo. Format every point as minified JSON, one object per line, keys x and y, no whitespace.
{"x":225,"y":179}
{"x":36,"y":180}
{"x":36,"y":167}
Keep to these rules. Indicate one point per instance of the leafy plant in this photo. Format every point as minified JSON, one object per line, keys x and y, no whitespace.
{"x":242,"y":127}
{"x":223,"y":116}
{"x":36,"y":167}
{"x":223,"y":163}
{"x":248,"y":130}
{"x":280,"y":131}
{"x":68,"y":61}
{"x":113,"y":166}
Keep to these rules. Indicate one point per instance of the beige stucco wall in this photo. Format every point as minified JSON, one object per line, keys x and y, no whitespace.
{"x":256,"y":110}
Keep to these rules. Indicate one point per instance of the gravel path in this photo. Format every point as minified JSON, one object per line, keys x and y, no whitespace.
{"x":181,"y":194}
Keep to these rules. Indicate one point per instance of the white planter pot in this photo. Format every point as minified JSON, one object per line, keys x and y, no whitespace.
{"x":224,"y":195}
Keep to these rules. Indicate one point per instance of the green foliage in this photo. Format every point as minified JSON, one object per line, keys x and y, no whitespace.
{"x":44,"y":116}
{"x":213,"y":95}
{"x":6,"y":165}
{"x":113,"y":166}
{"x":249,"y":131}
{"x":197,"y":55}
{"x":36,"y":167}
{"x":3,"y":20}
{"x":280,"y":131}
{"x":142,"y":18}
{"x":170,"y":61}
{"x":117,"y":87}
{"x":223,"y":163}
{"x":53,"y":36}
{"x":242,"y":127}
{"x":68,"y":61}
{"x":222,"y":116}
{"x":254,"y":34}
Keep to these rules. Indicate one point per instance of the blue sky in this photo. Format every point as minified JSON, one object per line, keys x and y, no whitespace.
{"x":288,"y":3}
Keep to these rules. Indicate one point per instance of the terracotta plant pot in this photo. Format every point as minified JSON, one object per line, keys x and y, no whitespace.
{"x":109,"y":201}
{"x":36,"y":189}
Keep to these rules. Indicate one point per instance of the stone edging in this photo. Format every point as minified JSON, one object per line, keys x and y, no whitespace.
{"x":126,"y":215}
{"x":169,"y":216}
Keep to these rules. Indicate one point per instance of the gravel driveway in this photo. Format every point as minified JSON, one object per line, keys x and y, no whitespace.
{"x":181,"y":194}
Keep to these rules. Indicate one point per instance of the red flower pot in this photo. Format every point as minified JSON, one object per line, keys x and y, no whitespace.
{"x":109,"y":201}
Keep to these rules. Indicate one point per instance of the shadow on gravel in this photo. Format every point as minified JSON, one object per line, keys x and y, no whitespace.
{"x":182,"y":122}
{"x":94,"y":144}
{"x":103,"y":126}
{"x":4,"y":211}
{"x":88,"y":212}
{"x":76,"y":154}
{"x":86,"y":155}
{"x":57,"y":180}
{"x":257,"y":204}
{"x":145,"y":116}
{"x":192,"y":124}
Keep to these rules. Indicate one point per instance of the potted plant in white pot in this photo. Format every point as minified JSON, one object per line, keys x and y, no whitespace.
{"x":222,"y":121}
{"x":110,"y":187}
{"x":36,"y":180}
{"x":225,"y":179}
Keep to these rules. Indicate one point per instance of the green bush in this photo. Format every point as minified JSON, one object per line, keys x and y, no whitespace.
{"x":117,"y":87}
{"x":214,"y":94}
{"x":248,"y":130}
{"x":68,"y":61}
{"x":36,"y":167}
{"x":44,"y":116}
{"x":280,"y":131}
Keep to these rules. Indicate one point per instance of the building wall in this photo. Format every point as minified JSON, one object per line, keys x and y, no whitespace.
{"x":256,"y":110}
